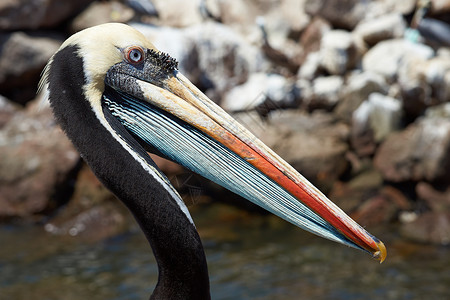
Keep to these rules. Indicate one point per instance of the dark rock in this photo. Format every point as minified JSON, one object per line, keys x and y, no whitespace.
{"x":22,"y":58}
{"x":25,"y":14}
{"x":420,"y":152}
{"x":430,"y":228}
{"x":37,"y":164}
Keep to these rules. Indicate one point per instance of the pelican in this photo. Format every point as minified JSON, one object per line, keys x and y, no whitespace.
{"x":117,"y":98}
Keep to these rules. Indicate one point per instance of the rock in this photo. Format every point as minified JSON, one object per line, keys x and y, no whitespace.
{"x":225,"y":58}
{"x":260,"y":87}
{"x":93,"y":212}
{"x":418,"y":153}
{"x":326,"y":92}
{"x":7,"y":111}
{"x":37,"y":164}
{"x":437,"y":200}
{"x":338,"y":52}
{"x":211,"y":55}
{"x":22,"y":58}
{"x":292,"y":12}
{"x":415,"y":92}
{"x":311,"y":67}
{"x":380,"y":209}
{"x":358,"y":88}
{"x":25,"y":14}
{"x":437,"y":75}
{"x":379,"y":114}
{"x":313,"y":144}
{"x":341,"y":14}
{"x":386,"y":27}
{"x":431,"y":227}
{"x":174,"y":13}
{"x":438,"y":111}
{"x":101,"y":12}
{"x":312,"y":35}
{"x":386,"y":57}
{"x":350,"y":195}
{"x":377,"y":9}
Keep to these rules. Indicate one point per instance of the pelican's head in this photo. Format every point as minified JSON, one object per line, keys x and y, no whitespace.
{"x":138,"y":95}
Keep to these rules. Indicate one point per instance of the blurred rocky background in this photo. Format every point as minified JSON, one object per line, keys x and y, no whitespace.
{"x":354,"y":94}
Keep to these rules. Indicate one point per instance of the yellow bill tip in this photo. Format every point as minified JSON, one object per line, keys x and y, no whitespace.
{"x":381,"y":253}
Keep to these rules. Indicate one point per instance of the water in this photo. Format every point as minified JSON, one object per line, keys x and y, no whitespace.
{"x":249,"y":257}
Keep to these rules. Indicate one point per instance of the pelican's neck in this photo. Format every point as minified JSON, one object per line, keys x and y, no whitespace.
{"x":175,"y":242}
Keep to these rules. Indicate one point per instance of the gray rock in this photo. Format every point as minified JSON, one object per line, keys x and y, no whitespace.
{"x":418,"y":153}
{"x":438,"y":111}
{"x":358,"y":88}
{"x":258,"y":88}
{"x":437,"y":75}
{"x":386,"y":57}
{"x":338,"y":52}
{"x":342,"y":14}
{"x":311,"y":67}
{"x":22,"y":58}
{"x":386,"y":27}
{"x":26,"y":14}
{"x":176,"y":13}
{"x":379,"y":114}
{"x":225,"y":58}
{"x":326,"y":92}
{"x":37,"y":162}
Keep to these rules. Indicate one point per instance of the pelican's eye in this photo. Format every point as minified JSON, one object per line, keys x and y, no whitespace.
{"x":134,"y":55}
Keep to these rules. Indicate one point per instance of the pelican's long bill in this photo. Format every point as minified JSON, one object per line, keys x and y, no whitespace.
{"x":168,"y":114}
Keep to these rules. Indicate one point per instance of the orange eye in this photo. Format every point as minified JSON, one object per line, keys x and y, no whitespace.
{"x":135,"y":55}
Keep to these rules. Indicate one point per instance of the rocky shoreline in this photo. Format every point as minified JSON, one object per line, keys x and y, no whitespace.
{"x":347,"y":92}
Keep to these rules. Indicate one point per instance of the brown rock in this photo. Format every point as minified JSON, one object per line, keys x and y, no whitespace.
{"x":420,"y":152}
{"x":312,"y":35}
{"x":7,"y":111}
{"x":102,"y":12}
{"x":438,"y":201}
{"x":341,"y":13}
{"x":382,"y":208}
{"x":431,"y":227}
{"x":37,"y":163}
{"x":313,"y":144}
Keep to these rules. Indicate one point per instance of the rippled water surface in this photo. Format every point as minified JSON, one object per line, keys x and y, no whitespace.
{"x":259,"y":258}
